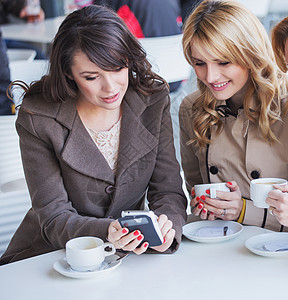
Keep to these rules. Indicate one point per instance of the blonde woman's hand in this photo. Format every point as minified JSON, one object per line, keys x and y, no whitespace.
{"x":228,"y":206}
{"x":278,"y":203}
{"x":121,"y":238}
{"x":198,"y":207}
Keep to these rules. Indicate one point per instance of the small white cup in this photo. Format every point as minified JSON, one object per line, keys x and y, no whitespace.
{"x":87,"y":253}
{"x":260,"y":188}
{"x":200,"y":189}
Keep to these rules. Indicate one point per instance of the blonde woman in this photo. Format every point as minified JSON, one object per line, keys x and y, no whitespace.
{"x":279,"y":38}
{"x":233,"y":128}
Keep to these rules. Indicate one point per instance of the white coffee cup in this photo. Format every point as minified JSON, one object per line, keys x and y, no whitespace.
{"x":260,"y":188}
{"x":87,"y":253}
{"x":200,"y":189}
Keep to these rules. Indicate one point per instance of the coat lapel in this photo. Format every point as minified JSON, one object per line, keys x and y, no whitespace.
{"x":81,"y":153}
{"x":135,"y":140}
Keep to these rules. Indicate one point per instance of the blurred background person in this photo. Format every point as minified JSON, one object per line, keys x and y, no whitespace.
{"x":15,"y":11}
{"x":279,"y":37}
{"x":5,"y":102}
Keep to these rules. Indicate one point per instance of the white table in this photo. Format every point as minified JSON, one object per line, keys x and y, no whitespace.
{"x":41,"y":32}
{"x":223,"y":271}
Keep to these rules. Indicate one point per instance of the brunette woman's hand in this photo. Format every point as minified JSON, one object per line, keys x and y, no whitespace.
{"x":278,"y":203}
{"x":121,"y":238}
{"x":167,"y":231}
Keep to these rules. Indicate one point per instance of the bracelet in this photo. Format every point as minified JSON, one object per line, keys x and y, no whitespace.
{"x":242,"y":214}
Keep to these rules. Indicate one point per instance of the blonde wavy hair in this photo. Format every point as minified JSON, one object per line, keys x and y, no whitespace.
{"x":232,"y":33}
{"x":279,"y":36}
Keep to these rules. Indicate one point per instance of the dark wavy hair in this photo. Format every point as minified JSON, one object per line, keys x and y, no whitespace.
{"x":98,"y":32}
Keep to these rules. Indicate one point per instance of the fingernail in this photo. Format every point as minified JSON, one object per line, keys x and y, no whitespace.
{"x":201,"y":203}
{"x":146,"y":245}
{"x":208,"y":191}
{"x":204,"y":210}
{"x":164,"y":240}
{"x":229,"y":183}
{"x":124,"y":230}
{"x":203,"y":197}
{"x":198,"y":198}
{"x":140,"y":237}
{"x":211,"y":213}
{"x":192,"y":193}
{"x":136,"y":233}
{"x":200,"y":206}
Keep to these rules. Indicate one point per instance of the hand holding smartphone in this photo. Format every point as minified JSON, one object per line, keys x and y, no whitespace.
{"x":144,"y":221}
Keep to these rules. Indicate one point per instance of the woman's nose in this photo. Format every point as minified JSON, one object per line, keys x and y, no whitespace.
{"x":108,"y":83}
{"x":212,"y":74}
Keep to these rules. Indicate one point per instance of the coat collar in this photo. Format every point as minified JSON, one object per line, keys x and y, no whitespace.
{"x":80,"y":152}
{"x":136,"y":141}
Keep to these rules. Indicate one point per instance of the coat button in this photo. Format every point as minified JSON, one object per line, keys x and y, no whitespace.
{"x":213,"y":170}
{"x":109,"y":189}
{"x":255,"y":174}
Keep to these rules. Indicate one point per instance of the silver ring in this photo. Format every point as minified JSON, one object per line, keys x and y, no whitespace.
{"x":224,"y":212}
{"x":271,"y":209}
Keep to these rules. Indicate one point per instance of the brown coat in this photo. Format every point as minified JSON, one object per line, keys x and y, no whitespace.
{"x":239,"y":153}
{"x":73,"y":190}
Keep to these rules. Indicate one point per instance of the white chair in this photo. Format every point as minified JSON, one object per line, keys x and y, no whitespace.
{"x":13,"y":207}
{"x":166,"y":57}
{"x":27,"y":71}
{"x":11,"y":170}
{"x":21,"y":54}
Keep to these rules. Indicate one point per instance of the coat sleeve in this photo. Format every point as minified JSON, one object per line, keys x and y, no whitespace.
{"x":58,"y":219}
{"x":189,"y":159}
{"x":165,"y":194}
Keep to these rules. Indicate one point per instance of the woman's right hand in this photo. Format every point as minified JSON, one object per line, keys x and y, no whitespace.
{"x":122,"y":239}
{"x":228,"y":206}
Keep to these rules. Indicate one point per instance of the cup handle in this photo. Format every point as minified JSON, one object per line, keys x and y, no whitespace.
{"x":106,"y":252}
{"x":213,"y":193}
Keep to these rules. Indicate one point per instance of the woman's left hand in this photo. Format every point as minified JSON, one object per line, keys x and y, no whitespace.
{"x":278,"y":202}
{"x":167,"y":231}
{"x":229,"y":204}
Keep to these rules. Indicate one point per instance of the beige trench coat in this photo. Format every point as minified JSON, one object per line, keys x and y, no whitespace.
{"x":73,"y":190}
{"x":239,"y":153}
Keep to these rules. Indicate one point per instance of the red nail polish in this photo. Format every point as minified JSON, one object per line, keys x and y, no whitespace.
{"x":204,"y":210}
{"x":211,"y":213}
{"x":140,"y":237}
{"x":198,"y":198}
{"x":229,"y":183}
{"x":192,"y":193}
{"x":164,"y":240}
{"x":136,"y":233}
{"x":208,"y":192}
{"x":146,"y":245}
{"x":203,"y":197}
{"x":124,"y":230}
{"x":200,"y":206}
{"x":201,"y":203}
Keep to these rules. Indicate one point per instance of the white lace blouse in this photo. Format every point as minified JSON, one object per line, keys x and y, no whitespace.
{"x":108,"y":143}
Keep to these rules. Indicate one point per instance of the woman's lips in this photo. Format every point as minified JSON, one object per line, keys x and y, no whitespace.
{"x":220,"y":86}
{"x":111,"y":99}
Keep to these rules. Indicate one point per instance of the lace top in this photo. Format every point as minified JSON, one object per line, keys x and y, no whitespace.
{"x":108,"y":143}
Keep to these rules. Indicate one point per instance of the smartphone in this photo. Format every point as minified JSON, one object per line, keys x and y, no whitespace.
{"x":146,"y":223}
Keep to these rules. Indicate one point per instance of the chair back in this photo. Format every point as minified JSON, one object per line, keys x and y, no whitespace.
{"x":166,"y":57}
{"x":11,"y":170}
{"x":13,"y":207}
{"x":21,"y":54}
{"x":27,"y":71}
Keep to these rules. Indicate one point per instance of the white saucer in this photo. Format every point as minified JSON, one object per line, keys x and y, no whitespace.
{"x":211,"y":231}
{"x":62,"y":267}
{"x":266,"y":244}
